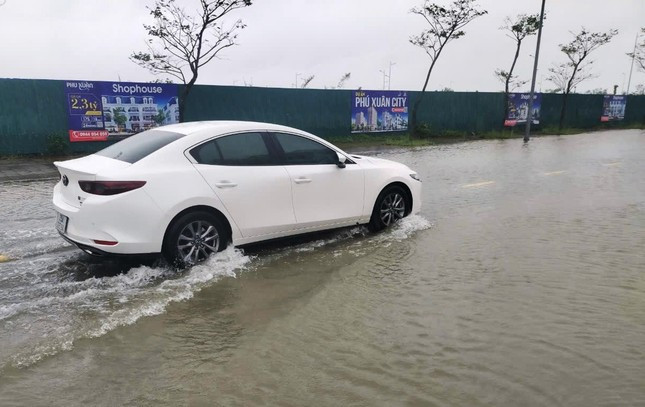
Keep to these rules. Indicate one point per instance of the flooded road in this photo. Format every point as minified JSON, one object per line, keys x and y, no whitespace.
{"x":522,"y":282}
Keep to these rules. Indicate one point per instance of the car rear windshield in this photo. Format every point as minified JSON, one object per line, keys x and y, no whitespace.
{"x":140,"y":145}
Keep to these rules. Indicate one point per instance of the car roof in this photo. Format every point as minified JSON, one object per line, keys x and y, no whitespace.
{"x":223,"y":126}
{"x":198,"y":132}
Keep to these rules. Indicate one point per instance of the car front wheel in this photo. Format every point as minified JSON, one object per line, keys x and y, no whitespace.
{"x":193,"y":238}
{"x":389,"y":208}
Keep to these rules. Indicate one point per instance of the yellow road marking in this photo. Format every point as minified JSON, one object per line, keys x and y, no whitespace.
{"x":3,"y":258}
{"x":554,"y":173}
{"x":611,"y":164}
{"x":478,"y":184}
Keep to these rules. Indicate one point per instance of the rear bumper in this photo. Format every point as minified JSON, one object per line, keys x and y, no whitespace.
{"x":101,"y":253}
{"x":132,"y":219}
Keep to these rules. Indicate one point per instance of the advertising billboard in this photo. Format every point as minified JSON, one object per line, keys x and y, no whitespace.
{"x":613,"y":108}
{"x":379,"y":111}
{"x":518,"y":108}
{"x":100,"y":111}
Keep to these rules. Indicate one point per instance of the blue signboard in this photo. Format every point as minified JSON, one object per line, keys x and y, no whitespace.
{"x":518,"y":108}
{"x":379,"y":111}
{"x":613,"y":108}
{"x":98,"y":111}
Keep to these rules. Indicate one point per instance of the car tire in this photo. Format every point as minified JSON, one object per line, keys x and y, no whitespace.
{"x":391,"y":206}
{"x":192,"y":238}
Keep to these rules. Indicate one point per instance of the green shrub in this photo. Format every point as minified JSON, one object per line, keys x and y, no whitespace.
{"x":453,"y":134}
{"x":56,"y":145}
{"x":424,"y":130}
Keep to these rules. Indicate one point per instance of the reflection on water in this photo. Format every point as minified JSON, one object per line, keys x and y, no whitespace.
{"x":528,"y":289}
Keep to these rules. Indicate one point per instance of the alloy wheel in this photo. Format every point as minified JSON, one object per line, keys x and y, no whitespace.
{"x":392,"y":208}
{"x":197,"y":240}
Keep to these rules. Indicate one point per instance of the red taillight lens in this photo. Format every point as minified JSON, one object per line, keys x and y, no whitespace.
{"x":106,"y":242}
{"x":109,"y":187}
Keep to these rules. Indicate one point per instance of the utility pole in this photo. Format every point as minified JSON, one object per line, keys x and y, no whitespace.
{"x":295,"y":85}
{"x":529,"y":117}
{"x":389,"y":77}
{"x":629,"y":83}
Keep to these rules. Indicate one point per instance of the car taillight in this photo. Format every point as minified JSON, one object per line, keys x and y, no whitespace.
{"x":109,"y":187}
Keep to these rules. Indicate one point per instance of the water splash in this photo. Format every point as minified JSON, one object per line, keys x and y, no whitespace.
{"x":56,"y":311}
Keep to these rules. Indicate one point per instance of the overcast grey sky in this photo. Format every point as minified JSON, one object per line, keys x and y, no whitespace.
{"x":92,"y":39}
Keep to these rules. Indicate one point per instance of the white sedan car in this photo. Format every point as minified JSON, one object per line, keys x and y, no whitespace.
{"x":187,"y":190}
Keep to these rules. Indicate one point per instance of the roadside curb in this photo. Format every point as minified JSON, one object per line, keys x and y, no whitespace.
{"x":18,"y":178}
{"x":27,"y":170}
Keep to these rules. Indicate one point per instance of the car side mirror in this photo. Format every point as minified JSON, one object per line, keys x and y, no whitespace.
{"x":341,"y":160}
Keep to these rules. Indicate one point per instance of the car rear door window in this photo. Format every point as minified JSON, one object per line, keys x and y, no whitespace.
{"x":246,"y":149}
{"x":297,"y":150}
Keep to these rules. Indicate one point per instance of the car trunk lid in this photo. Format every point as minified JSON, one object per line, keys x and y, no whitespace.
{"x":83,"y":169}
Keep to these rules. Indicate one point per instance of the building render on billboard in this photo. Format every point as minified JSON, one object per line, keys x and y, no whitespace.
{"x":139,"y":110}
{"x":171,"y":111}
{"x":616,"y":108}
{"x":372,"y":118}
{"x":360,"y":120}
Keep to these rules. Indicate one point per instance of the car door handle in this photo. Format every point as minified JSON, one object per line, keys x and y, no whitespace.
{"x":225,"y":184}
{"x":302,"y":180}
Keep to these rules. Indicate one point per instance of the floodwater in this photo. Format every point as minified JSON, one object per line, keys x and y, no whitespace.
{"x":521,"y":283}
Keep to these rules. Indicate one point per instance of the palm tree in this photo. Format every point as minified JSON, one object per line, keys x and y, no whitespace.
{"x":119,"y":118}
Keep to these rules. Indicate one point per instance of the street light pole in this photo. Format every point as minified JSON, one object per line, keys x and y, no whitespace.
{"x":384,"y":76}
{"x":389,"y":77}
{"x":631,"y":70}
{"x":529,"y":117}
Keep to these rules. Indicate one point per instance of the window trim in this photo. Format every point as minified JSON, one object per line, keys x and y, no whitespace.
{"x":272,"y":144}
{"x":265,"y":138}
{"x":280,"y":152}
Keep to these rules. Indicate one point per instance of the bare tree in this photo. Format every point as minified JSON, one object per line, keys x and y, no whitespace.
{"x":343,"y":79}
{"x":446,"y":24}
{"x":597,"y":91}
{"x":560,"y":75}
{"x":640,"y":90}
{"x":639,"y":52}
{"x":159,"y":80}
{"x":511,"y":82}
{"x":523,"y":26}
{"x":181,"y":42}
{"x":307,"y":81}
{"x":341,"y":82}
{"x":568,"y":75}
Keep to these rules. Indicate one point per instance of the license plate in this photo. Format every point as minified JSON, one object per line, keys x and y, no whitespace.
{"x":61,"y":223}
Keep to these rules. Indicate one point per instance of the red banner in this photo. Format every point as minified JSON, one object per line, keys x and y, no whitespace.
{"x":88,"y":135}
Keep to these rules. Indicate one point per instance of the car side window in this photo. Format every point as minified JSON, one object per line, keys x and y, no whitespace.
{"x":246,"y":149}
{"x":303,"y":151}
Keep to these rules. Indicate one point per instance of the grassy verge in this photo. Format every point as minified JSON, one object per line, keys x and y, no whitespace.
{"x":447,"y":137}
{"x":393,"y":140}
{"x":42,"y":157}
{"x":380,"y":140}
